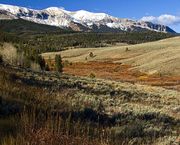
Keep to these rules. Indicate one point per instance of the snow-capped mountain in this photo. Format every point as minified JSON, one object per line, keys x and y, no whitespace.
{"x":78,"y":20}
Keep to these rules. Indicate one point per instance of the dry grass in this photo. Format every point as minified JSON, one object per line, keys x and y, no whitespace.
{"x":161,"y":57}
{"x":118,"y":72}
{"x":154,"y":63}
{"x":63,"y":109}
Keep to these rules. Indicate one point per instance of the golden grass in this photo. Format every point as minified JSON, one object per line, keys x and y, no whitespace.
{"x":162,"y":56}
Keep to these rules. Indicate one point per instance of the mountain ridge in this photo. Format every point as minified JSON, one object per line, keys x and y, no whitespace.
{"x":79,"y":20}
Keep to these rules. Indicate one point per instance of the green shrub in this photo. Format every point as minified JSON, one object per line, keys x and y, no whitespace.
{"x":67,"y":63}
{"x":127,"y":49}
{"x":92,"y":75}
{"x":130,"y":131}
{"x":91,"y":54}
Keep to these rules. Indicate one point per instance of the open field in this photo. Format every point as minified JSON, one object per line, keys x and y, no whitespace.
{"x":154,"y":63}
{"x":161,"y":56}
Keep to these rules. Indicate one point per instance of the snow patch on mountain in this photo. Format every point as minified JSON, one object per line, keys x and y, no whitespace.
{"x":66,"y":19}
{"x":86,"y":16}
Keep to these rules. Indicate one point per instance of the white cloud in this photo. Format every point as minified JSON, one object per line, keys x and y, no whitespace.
{"x":163,"y":19}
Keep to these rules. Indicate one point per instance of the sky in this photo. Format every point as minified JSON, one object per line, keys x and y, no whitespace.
{"x":165,"y":12}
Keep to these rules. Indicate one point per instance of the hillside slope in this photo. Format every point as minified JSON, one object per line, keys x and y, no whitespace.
{"x":126,"y":112}
{"x":155,"y":57}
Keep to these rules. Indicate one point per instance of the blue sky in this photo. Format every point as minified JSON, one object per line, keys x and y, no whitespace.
{"x":158,"y":11}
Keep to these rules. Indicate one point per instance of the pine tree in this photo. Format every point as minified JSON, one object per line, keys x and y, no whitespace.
{"x":47,"y":67}
{"x":1,"y":59}
{"x":58,"y":63}
{"x":41,"y":62}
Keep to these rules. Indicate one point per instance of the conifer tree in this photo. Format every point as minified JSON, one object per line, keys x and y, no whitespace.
{"x":58,"y":63}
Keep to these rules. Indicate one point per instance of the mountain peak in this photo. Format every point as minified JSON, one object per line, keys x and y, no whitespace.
{"x":54,"y":9}
{"x":89,"y":13}
{"x":79,"y":20}
{"x":89,"y":16}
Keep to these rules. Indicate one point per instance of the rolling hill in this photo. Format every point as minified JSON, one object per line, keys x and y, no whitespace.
{"x":154,"y":57}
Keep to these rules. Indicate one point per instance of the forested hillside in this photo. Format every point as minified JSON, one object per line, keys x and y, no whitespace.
{"x":20,"y":27}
